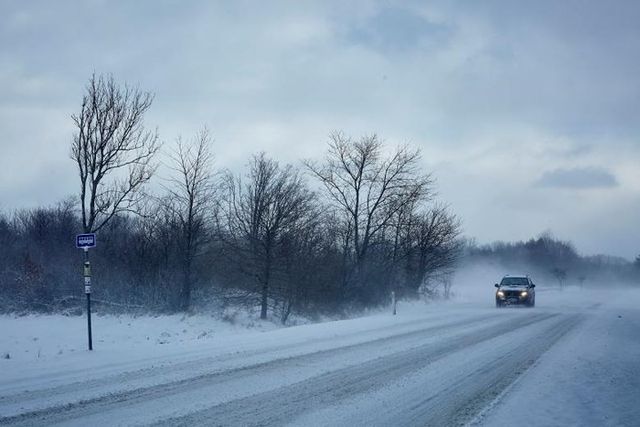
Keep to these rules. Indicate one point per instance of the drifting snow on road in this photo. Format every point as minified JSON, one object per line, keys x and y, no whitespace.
{"x":557,"y":364}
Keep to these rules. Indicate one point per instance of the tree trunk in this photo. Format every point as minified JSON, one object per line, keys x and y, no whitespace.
{"x":185,"y":292}
{"x":265,"y":287}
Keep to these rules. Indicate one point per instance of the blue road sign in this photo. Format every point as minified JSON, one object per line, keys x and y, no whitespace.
{"x":86,"y":240}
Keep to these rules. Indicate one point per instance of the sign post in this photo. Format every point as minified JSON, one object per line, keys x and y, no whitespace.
{"x":86,"y":241}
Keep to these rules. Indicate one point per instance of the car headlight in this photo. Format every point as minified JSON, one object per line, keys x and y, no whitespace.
{"x":523,"y":293}
{"x":500,"y":293}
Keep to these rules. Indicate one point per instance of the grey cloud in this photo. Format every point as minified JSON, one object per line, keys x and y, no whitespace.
{"x":455,"y":80}
{"x":578,"y":178}
{"x":397,"y":29}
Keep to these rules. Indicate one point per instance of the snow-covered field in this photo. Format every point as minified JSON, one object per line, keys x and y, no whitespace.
{"x":572,"y":360}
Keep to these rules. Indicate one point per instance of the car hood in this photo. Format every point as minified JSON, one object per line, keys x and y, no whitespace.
{"x":514,"y":288}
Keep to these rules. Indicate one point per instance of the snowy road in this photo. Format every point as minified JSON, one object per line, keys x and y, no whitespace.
{"x":449,"y":365}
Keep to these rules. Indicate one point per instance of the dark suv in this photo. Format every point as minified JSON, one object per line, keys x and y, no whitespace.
{"x":515,"y":290}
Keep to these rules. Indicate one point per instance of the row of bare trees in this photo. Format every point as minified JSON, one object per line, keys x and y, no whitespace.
{"x":332,"y":234}
{"x":554,"y":262}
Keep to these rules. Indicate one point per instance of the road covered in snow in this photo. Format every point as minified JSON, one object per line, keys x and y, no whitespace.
{"x":572,"y":360}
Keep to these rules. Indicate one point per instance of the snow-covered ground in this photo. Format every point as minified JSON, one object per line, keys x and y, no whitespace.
{"x":572,"y":360}
{"x":46,"y":337}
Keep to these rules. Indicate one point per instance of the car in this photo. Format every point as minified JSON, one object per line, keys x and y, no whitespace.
{"x":515,"y":290}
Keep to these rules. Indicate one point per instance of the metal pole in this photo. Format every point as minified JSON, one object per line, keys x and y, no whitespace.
{"x":87,"y":291}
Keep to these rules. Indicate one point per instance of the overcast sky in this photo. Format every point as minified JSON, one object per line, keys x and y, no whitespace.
{"x":527,"y":113}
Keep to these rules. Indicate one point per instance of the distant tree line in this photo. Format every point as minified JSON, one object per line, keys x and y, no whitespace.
{"x":331,"y":235}
{"x":554,"y":262}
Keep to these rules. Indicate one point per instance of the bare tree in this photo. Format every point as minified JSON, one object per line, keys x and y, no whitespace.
{"x":112,"y":149}
{"x":434,"y":235}
{"x":301,"y":252}
{"x":581,"y":279}
{"x":368,"y":188}
{"x":560,"y":274}
{"x":191,"y":203}
{"x":261,"y":212}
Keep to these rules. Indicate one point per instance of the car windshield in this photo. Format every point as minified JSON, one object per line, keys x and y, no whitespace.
{"x":511,"y":281}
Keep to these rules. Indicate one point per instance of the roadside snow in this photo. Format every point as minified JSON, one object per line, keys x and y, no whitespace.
{"x":47,"y":337}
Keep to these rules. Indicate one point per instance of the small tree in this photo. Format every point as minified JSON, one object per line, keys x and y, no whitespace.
{"x":261,"y":213}
{"x":581,"y":279}
{"x":112,"y":149}
{"x":560,"y":274}
{"x":191,"y":204}
{"x":434,"y":247}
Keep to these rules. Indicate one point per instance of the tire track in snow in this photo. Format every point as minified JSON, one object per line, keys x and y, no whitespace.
{"x":23,"y":389}
{"x":278,"y":407}
{"x":191,"y":368}
{"x":468,"y":395}
{"x":212,"y":374}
